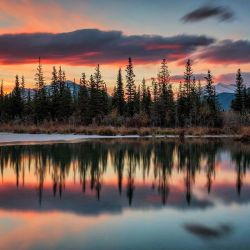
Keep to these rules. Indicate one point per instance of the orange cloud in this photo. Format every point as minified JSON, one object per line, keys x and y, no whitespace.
{"x":29,"y":16}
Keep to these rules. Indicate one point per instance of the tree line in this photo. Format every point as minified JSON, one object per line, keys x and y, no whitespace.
{"x":130,"y":104}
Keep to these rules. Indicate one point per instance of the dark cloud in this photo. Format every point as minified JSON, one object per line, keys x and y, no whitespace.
{"x":227,"y":51}
{"x":91,"y":46}
{"x":222,"y":13}
{"x":207,"y":233}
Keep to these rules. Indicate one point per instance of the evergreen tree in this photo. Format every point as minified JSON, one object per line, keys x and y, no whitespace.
{"x":144,"y":96}
{"x":40,"y":100}
{"x":16,"y":100}
{"x":188,"y":74}
{"x":155,"y":105}
{"x":238,"y":104}
{"x":23,"y":88}
{"x":101,"y":93}
{"x":94,"y":105}
{"x":181,"y":107}
{"x":164,"y":81}
{"x":148,"y":102}
{"x":166,"y":106}
{"x":83,"y":100}
{"x":137,"y":101}
{"x":212,"y":107}
{"x":55,"y":97}
{"x":119,"y":101}
{"x":28,"y":107}
{"x":130,"y":88}
{"x":1,"y":101}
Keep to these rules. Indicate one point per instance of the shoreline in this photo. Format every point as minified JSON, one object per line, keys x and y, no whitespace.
{"x":7,"y":138}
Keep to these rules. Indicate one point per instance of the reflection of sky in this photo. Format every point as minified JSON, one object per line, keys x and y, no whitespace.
{"x":78,"y":220}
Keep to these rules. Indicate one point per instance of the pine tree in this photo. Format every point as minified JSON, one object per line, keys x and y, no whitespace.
{"x":212,"y":106}
{"x":101,"y":93}
{"x":130,"y":88}
{"x":164,"y":80}
{"x":181,"y":109}
{"x":40,"y":100}
{"x":188,"y":74}
{"x":238,"y":104}
{"x":1,"y":101}
{"x":119,"y":101}
{"x":23,"y":87}
{"x":137,"y":101}
{"x":166,"y":102}
{"x":83,"y":100}
{"x":144,"y":96}
{"x":148,"y":102}
{"x":94,"y":108}
{"x":155,"y":110}
{"x":55,"y":98}
{"x":16,"y":100}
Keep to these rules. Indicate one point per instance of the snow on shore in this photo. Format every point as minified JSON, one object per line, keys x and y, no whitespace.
{"x":12,"y":138}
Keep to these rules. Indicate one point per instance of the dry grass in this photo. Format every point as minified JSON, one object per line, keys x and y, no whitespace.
{"x":50,"y":128}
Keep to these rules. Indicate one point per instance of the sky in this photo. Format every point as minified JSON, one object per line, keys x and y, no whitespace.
{"x":79,"y":34}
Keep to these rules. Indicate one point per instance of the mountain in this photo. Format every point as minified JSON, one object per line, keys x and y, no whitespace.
{"x":225,"y":88}
{"x":225,"y":100}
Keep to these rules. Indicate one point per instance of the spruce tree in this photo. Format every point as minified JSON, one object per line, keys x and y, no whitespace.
{"x":101,"y":93}
{"x":83,"y":100}
{"x":23,"y":88}
{"x":55,"y":98}
{"x":130,"y":88}
{"x":164,"y":80}
{"x":238,"y":104}
{"x":94,"y":99}
{"x":137,"y":101}
{"x":16,"y":100}
{"x":1,"y":101}
{"x":119,"y":94}
{"x":40,"y":100}
{"x":212,"y":105}
{"x":188,"y":75}
{"x":144,"y":96}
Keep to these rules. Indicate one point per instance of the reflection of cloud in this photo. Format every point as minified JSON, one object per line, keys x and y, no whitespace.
{"x":91,"y":46}
{"x":227,"y":193}
{"x":220,"y":12}
{"x":206,"y":233}
{"x":74,"y":201}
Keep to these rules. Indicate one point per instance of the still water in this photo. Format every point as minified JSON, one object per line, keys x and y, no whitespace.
{"x":126,"y":194}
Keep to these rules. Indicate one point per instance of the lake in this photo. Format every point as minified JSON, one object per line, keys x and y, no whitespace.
{"x":126,"y":194}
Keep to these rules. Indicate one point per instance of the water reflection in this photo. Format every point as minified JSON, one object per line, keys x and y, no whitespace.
{"x":141,"y":193}
{"x":167,"y":167}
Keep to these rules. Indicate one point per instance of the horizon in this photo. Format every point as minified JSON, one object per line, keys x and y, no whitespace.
{"x":213,"y":35}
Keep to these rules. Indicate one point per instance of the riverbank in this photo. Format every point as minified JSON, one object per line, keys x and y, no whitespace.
{"x":52,"y":128}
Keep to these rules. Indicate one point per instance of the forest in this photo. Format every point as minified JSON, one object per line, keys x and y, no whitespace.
{"x":157,"y":104}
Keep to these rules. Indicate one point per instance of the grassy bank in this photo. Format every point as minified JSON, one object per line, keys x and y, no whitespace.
{"x":49,"y":128}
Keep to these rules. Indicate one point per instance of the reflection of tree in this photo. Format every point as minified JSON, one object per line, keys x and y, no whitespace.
{"x":241,"y":157}
{"x":118,"y":162}
{"x":88,"y":162}
{"x":210,"y":168}
{"x":164,"y":154}
{"x":132,"y":160}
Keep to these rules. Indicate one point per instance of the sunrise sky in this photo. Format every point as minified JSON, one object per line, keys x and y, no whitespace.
{"x":78,"y":34}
